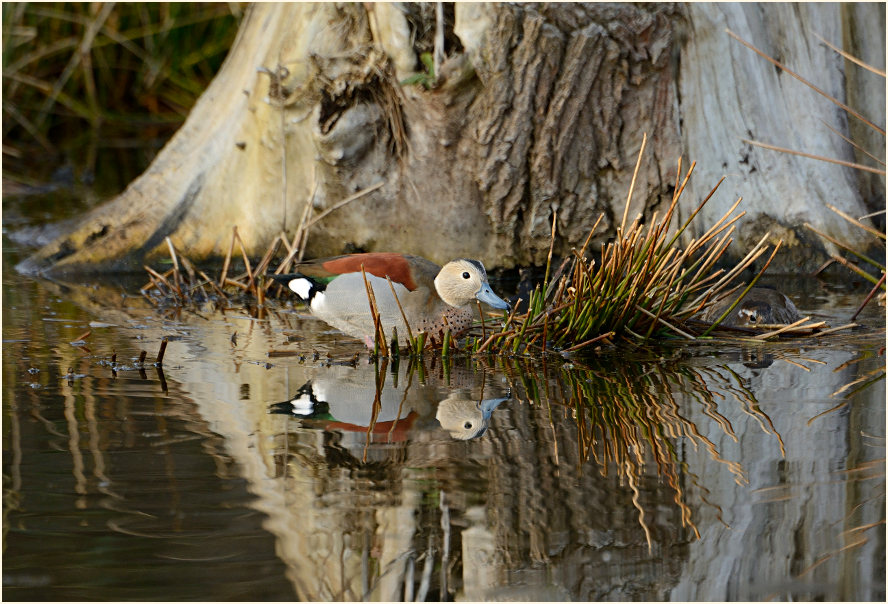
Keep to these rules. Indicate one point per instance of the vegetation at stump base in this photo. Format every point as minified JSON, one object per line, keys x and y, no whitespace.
{"x":644,"y":288}
{"x":647,"y":286}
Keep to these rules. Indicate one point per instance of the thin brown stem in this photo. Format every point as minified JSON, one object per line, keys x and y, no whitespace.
{"x":806,"y":82}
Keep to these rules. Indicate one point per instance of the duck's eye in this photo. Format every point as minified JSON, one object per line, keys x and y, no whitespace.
{"x":467,"y":425}
{"x":466,"y":275}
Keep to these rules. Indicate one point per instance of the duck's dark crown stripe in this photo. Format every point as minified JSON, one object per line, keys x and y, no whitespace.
{"x":477,"y":265}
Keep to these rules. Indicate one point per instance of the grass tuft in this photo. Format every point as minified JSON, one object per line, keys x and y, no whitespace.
{"x":644,"y":287}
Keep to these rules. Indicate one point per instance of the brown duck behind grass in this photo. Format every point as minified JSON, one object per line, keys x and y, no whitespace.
{"x":760,"y":306}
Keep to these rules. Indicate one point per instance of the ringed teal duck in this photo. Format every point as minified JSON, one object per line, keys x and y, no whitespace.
{"x":760,"y":306}
{"x":432,"y":297}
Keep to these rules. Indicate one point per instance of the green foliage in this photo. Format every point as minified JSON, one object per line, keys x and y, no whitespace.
{"x":427,"y":78}
{"x":70,"y":65}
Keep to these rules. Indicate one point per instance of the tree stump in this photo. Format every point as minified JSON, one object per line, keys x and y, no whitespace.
{"x":535,"y":108}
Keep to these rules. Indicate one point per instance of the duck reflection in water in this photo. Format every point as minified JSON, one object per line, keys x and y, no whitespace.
{"x":465,"y":418}
{"x":345,"y":406}
{"x":461,"y":415}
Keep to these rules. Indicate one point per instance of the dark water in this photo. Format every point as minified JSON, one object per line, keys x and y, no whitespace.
{"x":694,"y":473}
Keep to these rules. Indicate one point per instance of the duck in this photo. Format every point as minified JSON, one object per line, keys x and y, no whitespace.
{"x":760,"y":306}
{"x":433,"y":298}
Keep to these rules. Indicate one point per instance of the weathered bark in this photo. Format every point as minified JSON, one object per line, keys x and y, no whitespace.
{"x":537,"y":108}
{"x":729,"y":93}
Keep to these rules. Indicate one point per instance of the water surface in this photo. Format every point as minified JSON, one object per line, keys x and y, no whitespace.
{"x":692,"y":472}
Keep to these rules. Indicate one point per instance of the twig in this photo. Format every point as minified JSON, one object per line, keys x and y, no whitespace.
{"x":820,"y":334}
{"x":849,"y":250}
{"x":246,"y":260}
{"x":157,"y":275}
{"x":296,"y":248}
{"x":632,"y":184}
{"x":481,"y":314}
{"x":161,"y":352}
{"x":348,"y":199}
{"x":213,"y":283}
{"x":401,"y":308}
{"x":551,"y":246}
{"x":823,"y":267}
{"x":871,"y":214}
{"x":175,"y":266}
{"x":831,"y":160}
{"x":227,"y":259}
{"x":765,"y":336}
{"x":856,"y":222}
{"x":672,"y":327}
{"x":374,"y":312}
{"x":870,"y":296}
{"x":499,"y":334}
{"x":853,"y":144}
{"x":853,"y":267}
{"x":266,"y":259}
{"x":806,"y":82}
{"x":587,"y":342}
{"x":852,"y":58}
{"x":236,"y":284}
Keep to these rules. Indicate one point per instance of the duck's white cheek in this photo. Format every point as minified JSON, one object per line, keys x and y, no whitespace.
{"x":301,"y":287}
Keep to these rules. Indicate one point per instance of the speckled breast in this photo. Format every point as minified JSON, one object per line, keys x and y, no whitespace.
{"x":459,"y":320}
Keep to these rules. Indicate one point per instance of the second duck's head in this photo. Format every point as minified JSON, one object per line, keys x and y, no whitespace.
{"x":755,"y":312}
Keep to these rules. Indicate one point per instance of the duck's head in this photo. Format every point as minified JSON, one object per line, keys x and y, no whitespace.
{"x":755,"y":312}
{"x":461,"y":281}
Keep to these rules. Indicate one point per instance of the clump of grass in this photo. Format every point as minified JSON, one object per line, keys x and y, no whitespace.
{"x":646,"y":286}
{"x":183,"y":285}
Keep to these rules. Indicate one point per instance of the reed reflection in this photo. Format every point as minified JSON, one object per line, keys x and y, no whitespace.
{"x":631,"y":419}
{"x":380,"y":433}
